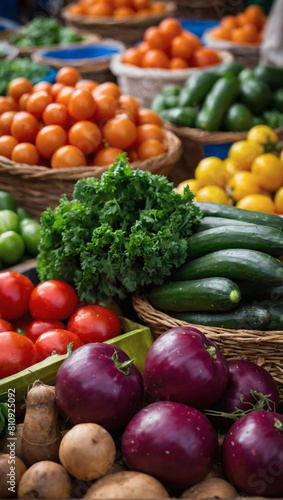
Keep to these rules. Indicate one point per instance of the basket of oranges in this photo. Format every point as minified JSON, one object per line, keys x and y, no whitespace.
{"x":123,"y":20}
{"x":241,"y":34}
{"x":51,"y":135}
{"x":168,"y":54}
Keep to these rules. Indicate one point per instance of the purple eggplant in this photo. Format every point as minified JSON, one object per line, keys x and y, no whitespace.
{"x":245,"y":380}
{"x":172,"y":442}
{"x":98,"y":383}
{"x":252,"y":454}
{"x":183,"y":365}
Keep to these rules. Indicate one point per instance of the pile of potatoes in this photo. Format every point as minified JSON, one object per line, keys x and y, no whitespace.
{"x":79,"y":462}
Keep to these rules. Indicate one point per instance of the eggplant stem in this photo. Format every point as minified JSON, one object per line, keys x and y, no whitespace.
{"x":125,"y":366}
{"x":262,"y":402}
{"x":211,"y":351}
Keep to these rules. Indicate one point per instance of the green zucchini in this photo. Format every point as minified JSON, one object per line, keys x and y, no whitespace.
{"x":217,"y":102}
{"x":270,"y":75}
{"x":233,"y":67}
{"x":209,"y":294}
{"x":254,"y":237}
{"x":196,"y":88}
{"x":242,"y":317}
{"x":251,"y":291}
{"x":276,"y":322}
{"x":226,"y":211}
{"x":212,"y":222}
{"x":235,"y":264}
{"x":181,"y":117}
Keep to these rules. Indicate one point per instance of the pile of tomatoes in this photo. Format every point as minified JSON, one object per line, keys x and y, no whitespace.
{"x":74,"y":123}
{"x":246,"y":27}
{"x":116,"y":8}
{"x":169,"y":46}
{"x":49,"y":318}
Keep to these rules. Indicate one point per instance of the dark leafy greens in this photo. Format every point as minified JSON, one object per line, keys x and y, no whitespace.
{"x":20,"y":66}
{"x":127,"y":229}
{"x":43,"y":31}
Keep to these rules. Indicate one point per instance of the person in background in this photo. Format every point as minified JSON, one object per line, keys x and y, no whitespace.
{"x":271,"y":50}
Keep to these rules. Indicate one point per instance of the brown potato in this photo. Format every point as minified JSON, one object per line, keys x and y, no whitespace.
{"x":128,"y":484}
{"x":212,"y":487}
{"x":11,"y":471}
{"x":41,"y":434}
{"x":4,"y":442}
{"x":87,"y":451}
{"x":45,"y":480}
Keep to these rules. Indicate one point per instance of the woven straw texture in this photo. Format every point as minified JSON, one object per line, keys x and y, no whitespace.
{"x":35,"y":187}
{"x":263,"y":348}
{"x":202,"y":9}
{"x":246,"y":54}
{"x":88,"y":68}
{"x":128,"y":30}
{"x":145,"y":83}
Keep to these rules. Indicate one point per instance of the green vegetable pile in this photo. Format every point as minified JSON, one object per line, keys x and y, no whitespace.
{"x":127,"y":229}
{"x":43,"y":31}
{"x":230,"y":98}
{"x":20,"y":66}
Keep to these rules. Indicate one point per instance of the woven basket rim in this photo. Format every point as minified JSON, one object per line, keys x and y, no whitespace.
{"x":38,"y":172}
{"x":227,"y":45}
{"x":170,"y":7}
{"x":119,"y":68}
{"x":204,"y":136}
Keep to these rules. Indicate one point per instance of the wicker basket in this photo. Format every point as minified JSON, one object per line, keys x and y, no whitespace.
{"x":263,"y":348}
{"x":128,"y":30}
{"x":35,"y":187}
{"x":202,"y":9}
{"x":145,"y":83}
{"x":246,"y":54}
{"x":92,"y":68}
{"x":194,"y":141}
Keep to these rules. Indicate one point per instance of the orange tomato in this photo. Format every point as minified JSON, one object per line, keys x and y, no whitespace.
{"x":194,"y":39}
{"x":6,"y":121}
{"x":148,"y":116}
{"x":132,"y":56}
{"x":157,"y":7}
{"x":24,"y":126}
{"x":49,"y":139}
{"x":55,"y":89}
{"x":106,"y":156}
{"x":155,"y":58}
{"x":229,"y":22}
{"x":205,"y":57}
{"x":99,"y":10}
{"x":241,"y":19}
{"x":68,"y":76}
{"x":141,"y":4}
{"x":42,"y":86}
{"x":7,"y":144}
{"x":143,"y":12}
{"x":182,"y":46}
{"x":120,"y":132}
{"x":122,"y":3}
{"x":178,"y":63}
{"x":156,"y":38}
{"x":107,"y":88}
{"x":123,"y":12}
{"x":170,"y":27}
{"x":221,"y":32}
{"x":76,"y":10}
{"x":86,"y":136}
{"x":37,"y":102}
{"x":255,"y":15}
{"x":22,"y":102}
{"x":143,"y":47}
{"x":19,"y":86}
{"x":106,"y":107}
{"x":240,"y":35}
{"x":81,"y":105}
{"x":128,"y":104}
{"x":68,"y":156}
{"x":149,"y":131}
{"x":86,"y":84}
{"x":55,"y":114}
{"x":150,"y":148}
{"x":25,"y":153}
{"x":251,"y":33}
{"x":64,"y":95}
{"x":7,"y":104}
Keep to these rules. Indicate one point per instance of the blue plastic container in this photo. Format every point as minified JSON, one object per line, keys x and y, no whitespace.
{"x":50,"y":77}
{"x":218,"y":150}
{"x":197,"y":26}
{"x":99,"y":52}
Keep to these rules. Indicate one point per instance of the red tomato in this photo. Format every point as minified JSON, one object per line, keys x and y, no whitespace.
{"x":53,"y":300}
{"x":22,"y":323}
{"x":15,"y":290}
{"x":16,"y":353}
{"x":56,"y":342}
{"x":5,"y":326}
{"x":95,"y":323}
{"x":38,"y":326}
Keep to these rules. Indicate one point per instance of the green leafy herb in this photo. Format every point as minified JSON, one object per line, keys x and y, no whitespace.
{"x":3,"y":410}
{"x":20,"y":66}
{"x":125,"y":230}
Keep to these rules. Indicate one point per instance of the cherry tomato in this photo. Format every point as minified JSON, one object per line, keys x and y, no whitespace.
{"x":56,"y":342}
{"x":17,"y":352}
{"x":15,"y":290}
{"x":39,"y":326}
{"x":85,"y":135}
{"x":49,"y":139}
{"x":24,"y":126}
{"x":55,"y":114}
{"x":53,"y":300}
{"x":94,"y":323}
{"x":37,"y":103}
{"x":5,"y":326}
{"x":68,"y":76}
{"x":19,"y":86}
{"x":22,"y":323}
{"x":81,"y":105}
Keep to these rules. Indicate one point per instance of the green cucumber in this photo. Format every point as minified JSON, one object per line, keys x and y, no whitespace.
{"x":238,"y":118}
{"x":170,"y":90}
{"x":171,"y":101}
{"x":235,"y":264}
{"x":210,"y":294}
{"x":254,"y":237}
{"x":233,"y":67}
{"x":256,"y":95}
{"x":246,"y":74}
{"x":212,"y":222}
{"x":242,"y":317}
{"x":223,"y":93}
{"x":270,"y":75}
{"x":277,"y":99}
{"x":196,"y":88}
{"x":158,"y":103}
{"x":181,"y":117}
{"x":228,"y":212}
